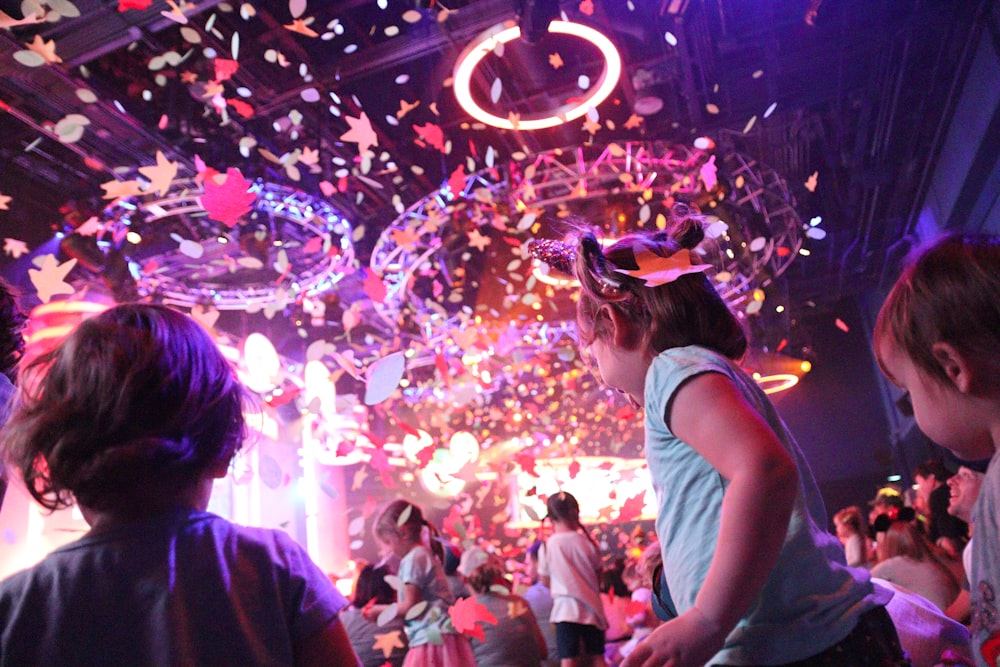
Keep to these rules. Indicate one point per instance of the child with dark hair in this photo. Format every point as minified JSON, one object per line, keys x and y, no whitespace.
{"x":132,"y":418}
{"x":515,"y":640}
{"x":569,"y":564}
{"x":371,"y":588}
{"x":937,"y":338}
{"x":433,"y":639}
{"x":749,"y":564}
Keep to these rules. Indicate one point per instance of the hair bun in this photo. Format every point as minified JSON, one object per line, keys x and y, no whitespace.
{"x":688,"y":231}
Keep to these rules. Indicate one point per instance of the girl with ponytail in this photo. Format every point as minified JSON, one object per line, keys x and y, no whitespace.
{"x":752,"y":577}
{"x":433,"y":641}
{"x":569,"y":563}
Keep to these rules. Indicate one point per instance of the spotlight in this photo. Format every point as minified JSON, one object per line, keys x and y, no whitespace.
{"x":534,"y":16}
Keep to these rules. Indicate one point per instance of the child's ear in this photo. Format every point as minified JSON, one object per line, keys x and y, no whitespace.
{"x":620,"y":326}
{"x":955,"y":365}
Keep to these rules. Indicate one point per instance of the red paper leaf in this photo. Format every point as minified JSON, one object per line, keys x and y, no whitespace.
{"x":842,"y":325}
{"x":632,"y":509}
{"x":125,"y":5}
{"x":225,"y":69}
{"x":574,"y":469}
{"x":466,"y":613}
{"x":527,"y":463}
{"x":456,"y":182}
{"x":374,"y":287}
{"x":227,"y":202}
{"x":425,"y":455}
{"x":432,"y":134}
{"x":241,"y":107}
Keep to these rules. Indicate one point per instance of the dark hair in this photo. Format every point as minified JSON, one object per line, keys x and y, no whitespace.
{"x":12,"y":320}
{"x":612,"y":578}
{"x":136,"y":404}
{"x":933,"y":467}
{"x":401,"y":518}
{"x":486,"y":575}
{"x":949,"y":292}
{"x":685,"y":311}
{"x":371,"y":585}
{"x":564,"y":507}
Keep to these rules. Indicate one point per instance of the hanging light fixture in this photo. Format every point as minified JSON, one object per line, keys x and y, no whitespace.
{"x":508,"y":31}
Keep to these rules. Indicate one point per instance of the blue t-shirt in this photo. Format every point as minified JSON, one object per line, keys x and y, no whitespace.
{"x":188,"y":588}
{"x":812,"y":599}
{"x":420,"y":568}
{"x":984,"y":579}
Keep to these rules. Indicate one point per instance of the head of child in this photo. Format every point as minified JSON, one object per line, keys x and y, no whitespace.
{"x":848,"y":523}
{"x":483,"y":577}
{"x":135,"y":413}
{"x":371,"y":585}
{"x":563,"y":510}
{"x":399,"y":527}
{"x":937,"y":336}
{"x":627,"y":313}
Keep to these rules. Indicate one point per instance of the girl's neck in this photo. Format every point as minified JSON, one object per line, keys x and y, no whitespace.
{"x":406,"y":547}
{"x":563,"y":527}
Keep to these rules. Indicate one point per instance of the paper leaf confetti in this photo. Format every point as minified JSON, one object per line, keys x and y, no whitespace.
{"x":388,"y":642}
{"x":383,"y":377}
{"x":161,"y":174}
{"x":555,"y":60}
{"x":125,"y":5}
{"x":466,"y":614}
{"x":431,"y":134}
{"x":227,"y":202}
{"x":50,"y":278}
{"x":4,"y":201}
{"x":478,"y":240}
{"x":375,"y":287}
{"x":387,"y":615}
{"x":812,"y":181}
{"x":47,"y":50}
{"x":632,"y":508}
{"x":15,"y":248}
{"x":361,"y":132}
{"x":655,"y":270}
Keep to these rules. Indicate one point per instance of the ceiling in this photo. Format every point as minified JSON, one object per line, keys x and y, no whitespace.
{"x":853,"y":93}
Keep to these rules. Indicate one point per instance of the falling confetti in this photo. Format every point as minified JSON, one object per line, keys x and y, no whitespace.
{"x":50,"y":278}
{"x":361,"y":132}
{"x":161,"y":175}
{"x":227,"y":202}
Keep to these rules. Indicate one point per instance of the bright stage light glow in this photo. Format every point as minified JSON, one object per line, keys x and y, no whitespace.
{"x":508,"y":31}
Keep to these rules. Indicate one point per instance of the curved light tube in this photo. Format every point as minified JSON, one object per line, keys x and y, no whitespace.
{"x":509,"y":31}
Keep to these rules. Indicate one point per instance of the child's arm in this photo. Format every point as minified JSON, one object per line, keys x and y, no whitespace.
{"x":711,"y":415}
{"x":411,"y":596}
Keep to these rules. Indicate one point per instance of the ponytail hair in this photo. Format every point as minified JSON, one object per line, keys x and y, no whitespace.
{"x":403,"y":519}
{"x":683,"y":310}
{"x":563,"y":507}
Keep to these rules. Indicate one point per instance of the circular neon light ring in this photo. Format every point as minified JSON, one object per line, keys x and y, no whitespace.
{"x":509,"y":31}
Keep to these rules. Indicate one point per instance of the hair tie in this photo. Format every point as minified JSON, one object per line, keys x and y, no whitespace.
{"x":610,"y":285}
